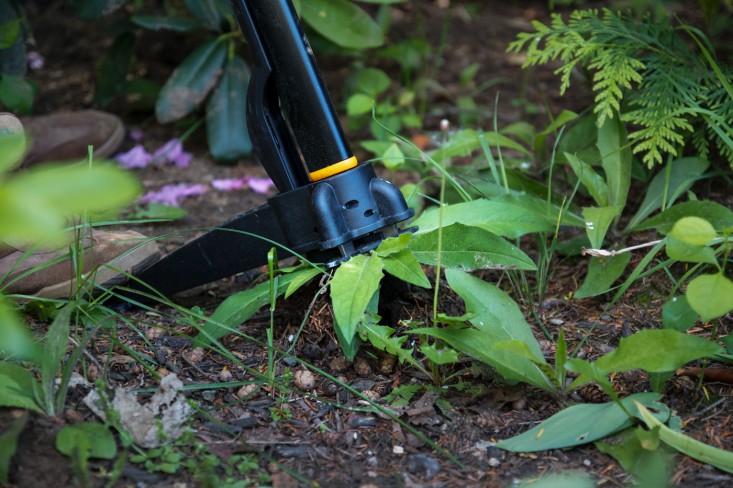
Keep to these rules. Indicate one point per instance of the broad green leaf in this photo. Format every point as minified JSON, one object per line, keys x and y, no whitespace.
{"x":352,"y":287}
{"x":508,"y":216}
{"x":9,"y":32}
{"x":602,"y":273}
{"x":241,"y":306}
{"x":100,"y":441}
{"x":384,"y":2}
{"x":656,"y":351}
{"x":718,"y":215}
{"x":687,"y":445}
{"x":383,"y":338}
{"x":393,"y":158}
{"x":613,"y":145}
{"x":581,"y":424}
{"x":15,"y":339}
{"x":588,"y":372}
{"x":594,"y":182}
{"x":693,"y":231}
{"x":710,"y":295}
{"x":8,"y":444}
{"x":12,"y":149}
{"x":36,"y":203}
{"x":15,"y":93}
{"x":689,"y":253}
{"x":210,"y":12}
{"x":157,"y":211}
{"x":393,"y":245}
{"x":442,"y":355}
{"x":650,"y":467}
{"x":682,"y":174}
{"x":343,"y":23}
{"x":54,"y":350}
{"x":677,"y":314}
{"x":154,"y":23}
{"x":478,"y":344}
{"x":113,"y":68}
{"x":557,"y":480}
{"x":359,"y":104}
{"x":468,"y":248}
{"x":301,"y":279}
{"x":372,"y":82}
{"x":191,"y":81}
{"x":465,"y":141}
{"x":226,"y":113}
{"x":405,"y":266}
{"x":597,"y":222}
{"x":17,"y":387}
{"x":493,"y":312}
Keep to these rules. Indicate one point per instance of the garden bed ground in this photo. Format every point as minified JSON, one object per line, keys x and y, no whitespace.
{"x":323,"y":437}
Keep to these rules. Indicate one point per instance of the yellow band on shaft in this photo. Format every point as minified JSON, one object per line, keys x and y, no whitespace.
{"x":334,"y":169}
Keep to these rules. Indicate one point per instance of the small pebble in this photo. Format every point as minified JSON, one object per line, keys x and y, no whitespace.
{"x":304,"y":380}
{"x":225,"y":375}
{"x":371,"y":395}
{"x":209,"y":395}
{"x":246,"y":390}
{"x":155,"y":333}
{"x":338,"y":364}
{"x":423,"y":465}
{"x":586,"y":462}
{"x":290,"y":361}
{"x":197,"y":355}
{"x":362,"y":367}
{"x":557,"y":321}
{"x":398,"y":450}
{"x":494,"y":463}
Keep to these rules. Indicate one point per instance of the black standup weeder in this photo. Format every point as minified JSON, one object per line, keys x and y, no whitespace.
{"x":329,"y":207}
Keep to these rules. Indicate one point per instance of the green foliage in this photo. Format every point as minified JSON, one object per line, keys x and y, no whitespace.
{"x":644,"y":71}
{"x":687,"y":445}
{"x":9,"y":443}
{"x":581,"y":424}
{"x":84,"y":441}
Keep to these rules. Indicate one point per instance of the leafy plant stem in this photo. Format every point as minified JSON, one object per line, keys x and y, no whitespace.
{"x":444,"y":126}
{"x":271,"y":268}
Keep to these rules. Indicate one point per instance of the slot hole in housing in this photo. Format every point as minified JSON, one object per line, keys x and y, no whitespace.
{"x":351,"y":204}
{"x":369,"y":213}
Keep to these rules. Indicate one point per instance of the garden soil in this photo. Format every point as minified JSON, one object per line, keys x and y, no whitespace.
{"x":324,"y":437}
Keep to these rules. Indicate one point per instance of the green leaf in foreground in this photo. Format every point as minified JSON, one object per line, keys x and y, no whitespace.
{"x":95,"y":438}
{"x":602,"y":273}
{"x":686,"y":445}
{"x":718,"y":215}
{"x":693,"y":231}
{"x":677,"y":314}
{"x":581,"y":424}
{"x":710,"y":295}
{"x":241,"y":306}
{"x":352,"y":287}
{"x":226,"y":113}
{"x":189,"y":84}
{"x":343,"y":23}
{"x":508,"y":216}
{"x":656,"y":351}
{"x":16,"y":387}
{"x":469,"y":248}
{"x":8,"y":444}
{"x":405,"y":266}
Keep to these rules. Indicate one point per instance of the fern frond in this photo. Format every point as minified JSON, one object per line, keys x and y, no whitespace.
{"x":645,"y":72}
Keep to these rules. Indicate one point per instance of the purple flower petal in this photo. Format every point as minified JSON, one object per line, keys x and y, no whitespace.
{"x":35,"y":60}
{"x":228,"y":184}
{"x":260,"y":185}
{"x":170,"y":194}
{"x":172,"y":152}
{"x":137,"y":157}
{"x":136,"y":135}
